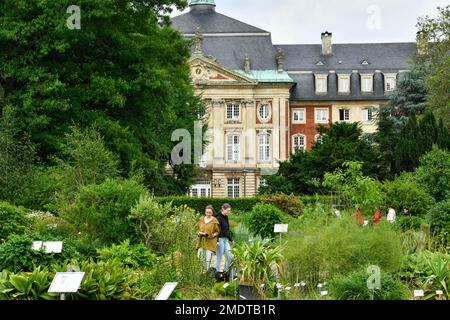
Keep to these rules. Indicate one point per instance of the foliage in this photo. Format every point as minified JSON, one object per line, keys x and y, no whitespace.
{"x":434,"y":173}
{"x":439,"y":218}
{"x":258,"y":262}
{"x":12,"y":220}
{"x":17,"y":255}
{"x":26,"y":286}
{"x":404,"y":193}
{"x":358,"y":190}
{"x":132,"y":256}
{"x":304,"y":172}
{"x":51,"y":78}
{"x":48,"y":225}
{"x":105,"y":281}
{"x":429,"y":271}
{"x":354,"y":287}
{"x":102,"y":210}
{"x":199,"y":204}
{"x":289,"y":204}
{"x":262,"y":219}
{"x":341,"y":247}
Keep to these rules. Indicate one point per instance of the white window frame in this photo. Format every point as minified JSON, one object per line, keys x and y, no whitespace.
{"x":269,"y":111}
{"x":294,"y":145}
{"x":346,"y":118}
{"x":321,"y":120}
{"x":299,"y":110}
{"x":318,"y":137}
{"x":344,"y":83}
{"x":321,"y":84}
{"x":264,"y":147}
{"x":367,"y":83}
{"x":233,"y":148}
{"x":235,"y":111}
{"x":367,"y":114}
{"x":233,"y":187}
{"x":390,"y":82}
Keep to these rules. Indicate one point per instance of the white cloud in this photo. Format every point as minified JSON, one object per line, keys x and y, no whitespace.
{"x":302,"y":21}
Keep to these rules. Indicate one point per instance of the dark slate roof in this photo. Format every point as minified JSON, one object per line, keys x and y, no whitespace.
{"x":380,"y":56}
{"x":230,"y":52}
{"x":210,"y":21}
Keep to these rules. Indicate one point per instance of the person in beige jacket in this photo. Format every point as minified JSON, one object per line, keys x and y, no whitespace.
{"x":208,"y":230}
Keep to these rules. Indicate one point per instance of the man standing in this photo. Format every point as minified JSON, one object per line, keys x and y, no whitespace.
{"x":224,"y":238}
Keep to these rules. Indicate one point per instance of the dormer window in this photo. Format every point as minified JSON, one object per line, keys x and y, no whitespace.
{"x":344,"y":83}
{"x":321,"y":84}
{"x":390,"y":81}
{"x":367,"y":83}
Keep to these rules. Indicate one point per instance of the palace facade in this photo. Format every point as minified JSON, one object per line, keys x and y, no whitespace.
{"x":265,"y":101}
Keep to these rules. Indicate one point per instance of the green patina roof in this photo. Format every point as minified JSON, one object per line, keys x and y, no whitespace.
{"x":267,"y":75}
{"x":194,"y":2}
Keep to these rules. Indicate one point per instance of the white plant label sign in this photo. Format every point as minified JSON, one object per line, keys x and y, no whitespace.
{"x":166,"y":291}
{"x":66,"y":282}
{"x":53,"y":246}
{"x":280,"y":228}
{"x":323,"y":293}
{"x":37,"y":245}
{"x":418,"y":293}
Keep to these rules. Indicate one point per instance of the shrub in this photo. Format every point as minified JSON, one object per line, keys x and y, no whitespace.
{"x":341,"y":247}
{"x":434,"y":173}
{"x":132,"y":256}
{"x":199,"y":204}
{"x":102,"y":210}
{"x":48,"y":225}
{"x":262,"y":220}
{"x":439,"y":218}
{"x":26,"y":286}
{"x":105,"y":281}
{"x":354,"y":287}
{"x":289,"y":204}
{"x":12,"y":220}
{"x":16,"y":254}
{"x":413,"y":223}
{"x":403,"y":193}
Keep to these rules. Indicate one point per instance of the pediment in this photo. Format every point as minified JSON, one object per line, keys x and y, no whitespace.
{"x":207,"y":71}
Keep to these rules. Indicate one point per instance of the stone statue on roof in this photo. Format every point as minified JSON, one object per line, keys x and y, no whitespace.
{"x":280,"y":59}
{"x":247,"y":63}
{"x":198,"y":41}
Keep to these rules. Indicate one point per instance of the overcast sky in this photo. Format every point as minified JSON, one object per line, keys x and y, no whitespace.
{"x":350,"y":21}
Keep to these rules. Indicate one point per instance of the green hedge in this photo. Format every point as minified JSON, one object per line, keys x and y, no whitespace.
{"x":311,"y":200}
{"x":199,"y":204}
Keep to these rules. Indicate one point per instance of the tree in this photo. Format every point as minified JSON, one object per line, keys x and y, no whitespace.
{"x":124,"y":73}
{"x":437,"y":30}
{"x":341,"y":142}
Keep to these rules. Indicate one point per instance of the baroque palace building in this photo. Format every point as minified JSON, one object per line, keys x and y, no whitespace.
{"x":265,"y":101}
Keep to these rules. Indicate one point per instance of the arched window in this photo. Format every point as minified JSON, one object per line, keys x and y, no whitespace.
{"x":264,"y":147}
{"x":299,"y":142}
{"x":264,"y":111}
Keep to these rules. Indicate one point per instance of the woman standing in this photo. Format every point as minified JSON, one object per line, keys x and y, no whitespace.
{"x":208,"y":230}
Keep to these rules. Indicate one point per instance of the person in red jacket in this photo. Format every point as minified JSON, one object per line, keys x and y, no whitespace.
{"x":377,"y":218}
{"x":358,"y":217}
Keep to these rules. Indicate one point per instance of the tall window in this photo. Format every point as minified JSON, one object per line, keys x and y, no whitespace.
{"x":321,"y":83}
{"x":233,"y":147}
{"x":321,"y":115}
{"x":233,"y":187}
{"x":344,"y":114}
{"x":264,"y":147}
{"x":367,"y":115}
{"x":264,"y":111}
{"x":299,"y":142}
{"x":233,"y":111}
{"x":299,"y":115}
{"x":344,"y":83}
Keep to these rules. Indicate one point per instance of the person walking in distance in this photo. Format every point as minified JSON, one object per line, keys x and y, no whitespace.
{"x":208,"y":231}
{"x":224,"y":238}
{"x":391,"y":215}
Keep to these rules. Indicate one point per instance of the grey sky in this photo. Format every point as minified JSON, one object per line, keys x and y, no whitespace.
{"x":351,"y":21}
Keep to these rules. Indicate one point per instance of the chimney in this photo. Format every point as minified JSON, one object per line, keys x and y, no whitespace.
{"x":422,"y":43}
{"x":327,"y":46}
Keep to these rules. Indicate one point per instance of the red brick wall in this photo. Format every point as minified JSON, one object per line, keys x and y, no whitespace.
{"x":308,"y":128}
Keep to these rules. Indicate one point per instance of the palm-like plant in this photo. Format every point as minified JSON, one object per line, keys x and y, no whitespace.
{"x":259,"y":262}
